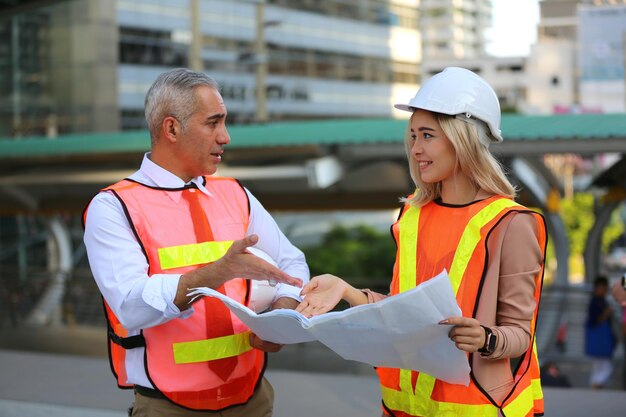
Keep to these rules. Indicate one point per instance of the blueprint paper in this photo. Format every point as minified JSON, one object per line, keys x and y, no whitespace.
{"x":401,"y":331}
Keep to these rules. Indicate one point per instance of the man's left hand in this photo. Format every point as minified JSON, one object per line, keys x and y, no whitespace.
{"x":257,"y":342}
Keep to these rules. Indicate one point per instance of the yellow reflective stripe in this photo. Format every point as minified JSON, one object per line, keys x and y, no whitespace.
{"x":466,"y":410}
{"x":396,"y":400}
{"x":521,"y":405}
{"x":471,"y":237}
{"x":525,"y":401}
{"x":211,"y":349}
{"x":408,"y":248}
{"x":193,"y":254}
{"x":406,"y":386}
{"x":535,"y":383}
{"x":405,"y":380}
{"x":423,"y":390}
{"x":537,"y":390}
{"x":399,"y":400}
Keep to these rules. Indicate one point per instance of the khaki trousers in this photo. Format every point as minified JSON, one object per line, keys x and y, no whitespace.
{"x":260,"y":405}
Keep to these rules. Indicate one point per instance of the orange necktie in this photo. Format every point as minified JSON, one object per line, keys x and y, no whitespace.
{"x":218,"y":319}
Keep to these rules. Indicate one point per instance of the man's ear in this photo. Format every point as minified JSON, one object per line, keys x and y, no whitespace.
{"x":171,"y":129}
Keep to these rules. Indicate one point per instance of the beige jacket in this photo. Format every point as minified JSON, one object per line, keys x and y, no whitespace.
{"x":507,"y":302}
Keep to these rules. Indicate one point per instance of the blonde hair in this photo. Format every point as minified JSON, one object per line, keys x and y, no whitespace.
{"x":473,"y":159}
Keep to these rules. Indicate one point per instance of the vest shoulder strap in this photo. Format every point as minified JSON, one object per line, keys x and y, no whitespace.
{"x":129,"y":342}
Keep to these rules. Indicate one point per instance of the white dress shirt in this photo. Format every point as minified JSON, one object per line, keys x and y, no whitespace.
{"x":120,"y":268}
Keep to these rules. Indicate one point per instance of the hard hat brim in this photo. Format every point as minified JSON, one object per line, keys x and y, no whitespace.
{"x":405,"y":107}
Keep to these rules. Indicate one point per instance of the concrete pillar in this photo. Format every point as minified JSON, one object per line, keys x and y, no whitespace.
{"x":60,"y":265}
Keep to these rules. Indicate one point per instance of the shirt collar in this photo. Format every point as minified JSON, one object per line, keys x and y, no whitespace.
{"x":154,"y":175}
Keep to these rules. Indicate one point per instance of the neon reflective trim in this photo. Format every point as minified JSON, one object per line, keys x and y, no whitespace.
{"x":193,"y":254}
{"x":537,"y":390}
{"x":471,"y":237}
{"x":405,"y":380}
{"x":395,"y":400}
{"x":405,"y":386}
{"x":211,"y":349}
{"x":521,"y":405}
{"x":408,"y":244}
{"x":536,"y":382}
{"x":424,"y":389}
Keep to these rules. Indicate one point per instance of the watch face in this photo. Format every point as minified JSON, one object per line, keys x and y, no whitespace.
{"x":491,"y":345}
{"x":490,"y":342}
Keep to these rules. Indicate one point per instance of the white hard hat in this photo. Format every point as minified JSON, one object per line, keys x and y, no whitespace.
{"x":261,"y":292}
{"x":462,"y":93}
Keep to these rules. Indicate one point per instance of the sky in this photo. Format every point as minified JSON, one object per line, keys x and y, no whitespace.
{"x":514,"y":27}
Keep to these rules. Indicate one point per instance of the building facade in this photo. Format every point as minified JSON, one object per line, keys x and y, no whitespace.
{"x":601,"y":58}
{"x":345,"y":59}
{"x":577,"y":64}
{"x":454,"y":29}
{"x":94,"y":60}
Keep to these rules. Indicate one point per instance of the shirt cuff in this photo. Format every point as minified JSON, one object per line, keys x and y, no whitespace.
{"x":284,"y":290}
{"x":160,"y":292}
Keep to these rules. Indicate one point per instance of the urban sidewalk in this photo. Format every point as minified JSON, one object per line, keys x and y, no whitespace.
{"x":63,"y":372}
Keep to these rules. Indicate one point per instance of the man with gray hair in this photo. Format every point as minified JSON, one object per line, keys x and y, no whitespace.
{"x":172,"y":226}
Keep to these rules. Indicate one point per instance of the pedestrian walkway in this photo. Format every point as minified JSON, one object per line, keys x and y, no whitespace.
{"x":53,"y":385}
{"x":72,"y":384}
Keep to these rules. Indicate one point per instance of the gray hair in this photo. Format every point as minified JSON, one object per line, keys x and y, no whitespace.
{"x":172,"y":94}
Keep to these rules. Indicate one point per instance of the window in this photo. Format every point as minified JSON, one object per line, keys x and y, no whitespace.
{"x":151,"y":47}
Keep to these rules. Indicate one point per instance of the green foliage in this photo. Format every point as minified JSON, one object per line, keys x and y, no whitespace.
{"x":578,"y":215}
{"x":358,"y":252}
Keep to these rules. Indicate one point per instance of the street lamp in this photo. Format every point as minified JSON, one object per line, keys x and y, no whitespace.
{"x":195,"y":55}
{"x":261,"y":61}
{"x":260,"y":51}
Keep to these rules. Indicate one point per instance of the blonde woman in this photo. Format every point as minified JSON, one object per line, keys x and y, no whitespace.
{"x":462,"y":217}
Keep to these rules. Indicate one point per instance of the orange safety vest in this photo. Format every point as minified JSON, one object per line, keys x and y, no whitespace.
{"x":177,"y":352}
{"x":430,"y":239}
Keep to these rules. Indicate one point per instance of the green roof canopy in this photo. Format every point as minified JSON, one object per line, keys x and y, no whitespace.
{"x":584,"y":127}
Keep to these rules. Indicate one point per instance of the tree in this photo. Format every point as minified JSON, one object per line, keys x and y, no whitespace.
{"x":578,"y":216}
{"x":360,"y":254}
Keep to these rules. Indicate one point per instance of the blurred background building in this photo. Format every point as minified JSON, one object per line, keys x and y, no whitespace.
{"x":85,"y":65}
{"x":576,"y":65}
{"x":453,"y":29}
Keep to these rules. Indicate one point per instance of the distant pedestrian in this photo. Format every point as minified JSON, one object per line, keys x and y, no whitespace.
{"x":599,"y":338}
{"x":619,"y":293}
{"x":551,"y":376}
{"x":624,"y":347}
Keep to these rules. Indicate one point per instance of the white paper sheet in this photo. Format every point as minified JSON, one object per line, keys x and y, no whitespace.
{"x":398,"y":332}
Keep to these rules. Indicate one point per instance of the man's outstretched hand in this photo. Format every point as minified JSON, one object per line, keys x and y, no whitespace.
{"x":237,"y":262}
